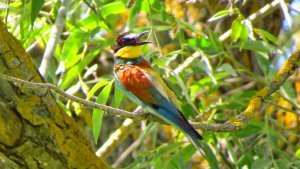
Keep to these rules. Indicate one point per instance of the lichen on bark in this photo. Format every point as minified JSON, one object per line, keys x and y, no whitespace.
{"x":34,"y":131}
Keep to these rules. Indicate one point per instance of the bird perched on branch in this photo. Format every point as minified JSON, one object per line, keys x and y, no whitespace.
{"x":139,"y":81}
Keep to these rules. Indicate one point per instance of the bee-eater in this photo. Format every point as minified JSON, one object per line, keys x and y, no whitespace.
{"x":138,"y":80}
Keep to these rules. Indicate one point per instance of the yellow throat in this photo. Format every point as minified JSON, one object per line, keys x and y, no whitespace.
{"x":129,"y":52}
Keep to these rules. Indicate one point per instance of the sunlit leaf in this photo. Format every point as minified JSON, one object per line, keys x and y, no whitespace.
{"x":236,"y":29}
{"x":97,"y":113}
{"x":69,"y":54}
{"x":220,"y":15}
{"x":36,"y":6}
{"x":266,"y":35}
{"x":73,"y":72}
{"x":244,"y":35}
{"x":100,"y":84}
{"x":113,"y":8}
{"x":297,"y":154}
{"x":118,"y":97}
{"x":133,"y":12}
{"x":89,"y":23}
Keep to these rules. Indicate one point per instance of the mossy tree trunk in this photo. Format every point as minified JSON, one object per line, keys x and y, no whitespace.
{"x":34,"y":131}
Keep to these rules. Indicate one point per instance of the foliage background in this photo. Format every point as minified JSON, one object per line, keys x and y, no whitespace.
{"x":216,"y":71}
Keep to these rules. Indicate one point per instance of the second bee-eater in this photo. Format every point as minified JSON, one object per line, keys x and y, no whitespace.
{"x":139,"y":81}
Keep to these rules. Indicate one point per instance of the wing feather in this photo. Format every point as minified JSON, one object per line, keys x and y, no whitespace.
{"x":144,"y":86}
{"x":161,"y":86}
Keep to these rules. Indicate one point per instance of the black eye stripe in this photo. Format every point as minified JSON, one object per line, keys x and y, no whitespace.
{"x":126,"y":41}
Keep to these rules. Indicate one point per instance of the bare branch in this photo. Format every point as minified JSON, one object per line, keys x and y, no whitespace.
{"x":56,"y":31}
{"x":268,"y":8}
{"x":289,"y":67}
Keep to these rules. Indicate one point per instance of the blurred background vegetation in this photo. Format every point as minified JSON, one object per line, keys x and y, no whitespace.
{"x":214,"y":54}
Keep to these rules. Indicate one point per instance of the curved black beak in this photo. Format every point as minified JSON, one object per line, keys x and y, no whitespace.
{"x":141,"y":38}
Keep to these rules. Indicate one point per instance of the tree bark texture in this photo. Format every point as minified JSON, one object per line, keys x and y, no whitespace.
{"x":34,"y":131}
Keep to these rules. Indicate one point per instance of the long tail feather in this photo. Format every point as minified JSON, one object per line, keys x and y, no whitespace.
{"x":181,"y":123}
{"x":205,"y":150}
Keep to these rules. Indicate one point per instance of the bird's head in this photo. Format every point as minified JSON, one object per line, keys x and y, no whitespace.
{"x":128,"y":45}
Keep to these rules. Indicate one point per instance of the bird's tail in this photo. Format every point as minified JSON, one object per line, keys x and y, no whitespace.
{"x":201,"y":146}
{"x":181,"y":123}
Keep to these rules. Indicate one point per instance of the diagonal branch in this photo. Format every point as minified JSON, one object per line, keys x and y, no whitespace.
{"x":289,"y":67}
{"x":268,"y":8}
{"x":56,"y":31}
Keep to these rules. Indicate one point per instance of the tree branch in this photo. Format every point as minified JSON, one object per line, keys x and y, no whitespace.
{"x":238,"y":122}
{"x":268,"y":8}
{"x":56,"y":31}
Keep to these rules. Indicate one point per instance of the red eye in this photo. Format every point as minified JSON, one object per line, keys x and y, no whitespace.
{"x":123,"y":41}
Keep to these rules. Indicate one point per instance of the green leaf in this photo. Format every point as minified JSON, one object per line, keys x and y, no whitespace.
{"x":36,"y":6}
{"x":263,"y":61}
{"x":221,"y":116}
{"x":202,"y":42}
{"x":284,"y":163}
{"x":162,"y":150}
{"x":25,"y":22}
{"x":183,"y":89}
{"x":289,"y":91}
{"x":189,"y":26}
{"x":75,"y":70}
{"x":256,"y":46}
{"x":89,"y":23}
{"x":236,"y":29}
{"x":216,"y":43}
{"x":244,"y":35}
{"x":220,"y":15}
{"x":229,"y":69}
{"x":266,"y":35}
{"x":261,"y":164}
{"x":297,"y":154}
{"x":156,"y":5}
{"x":112,"y":8}
{"x":245,"y":160}
{"x":252,"y":128}
{"x":164,"y":15}
{"x":211,"y":158}
{"x":95,"y":88}
{"x":69,"y":54}
{"x":133,"y":13}
{"x":97,"y":113}
{"x":118,"y":97}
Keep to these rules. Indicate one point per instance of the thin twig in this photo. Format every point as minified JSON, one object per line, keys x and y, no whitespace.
{"x":245,"y":87}
{"x":109,"y":110}
{"x":289,"y":67}
{"x":117,"y":137}
{"x":125,"y":153}
{"x":91,"y":6}
{"x":187,"y":62}
{"x":268,"y":8}
{"x":56,"y":31}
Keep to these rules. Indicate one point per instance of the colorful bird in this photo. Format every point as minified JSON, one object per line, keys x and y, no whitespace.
{"x":138,"y":80}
